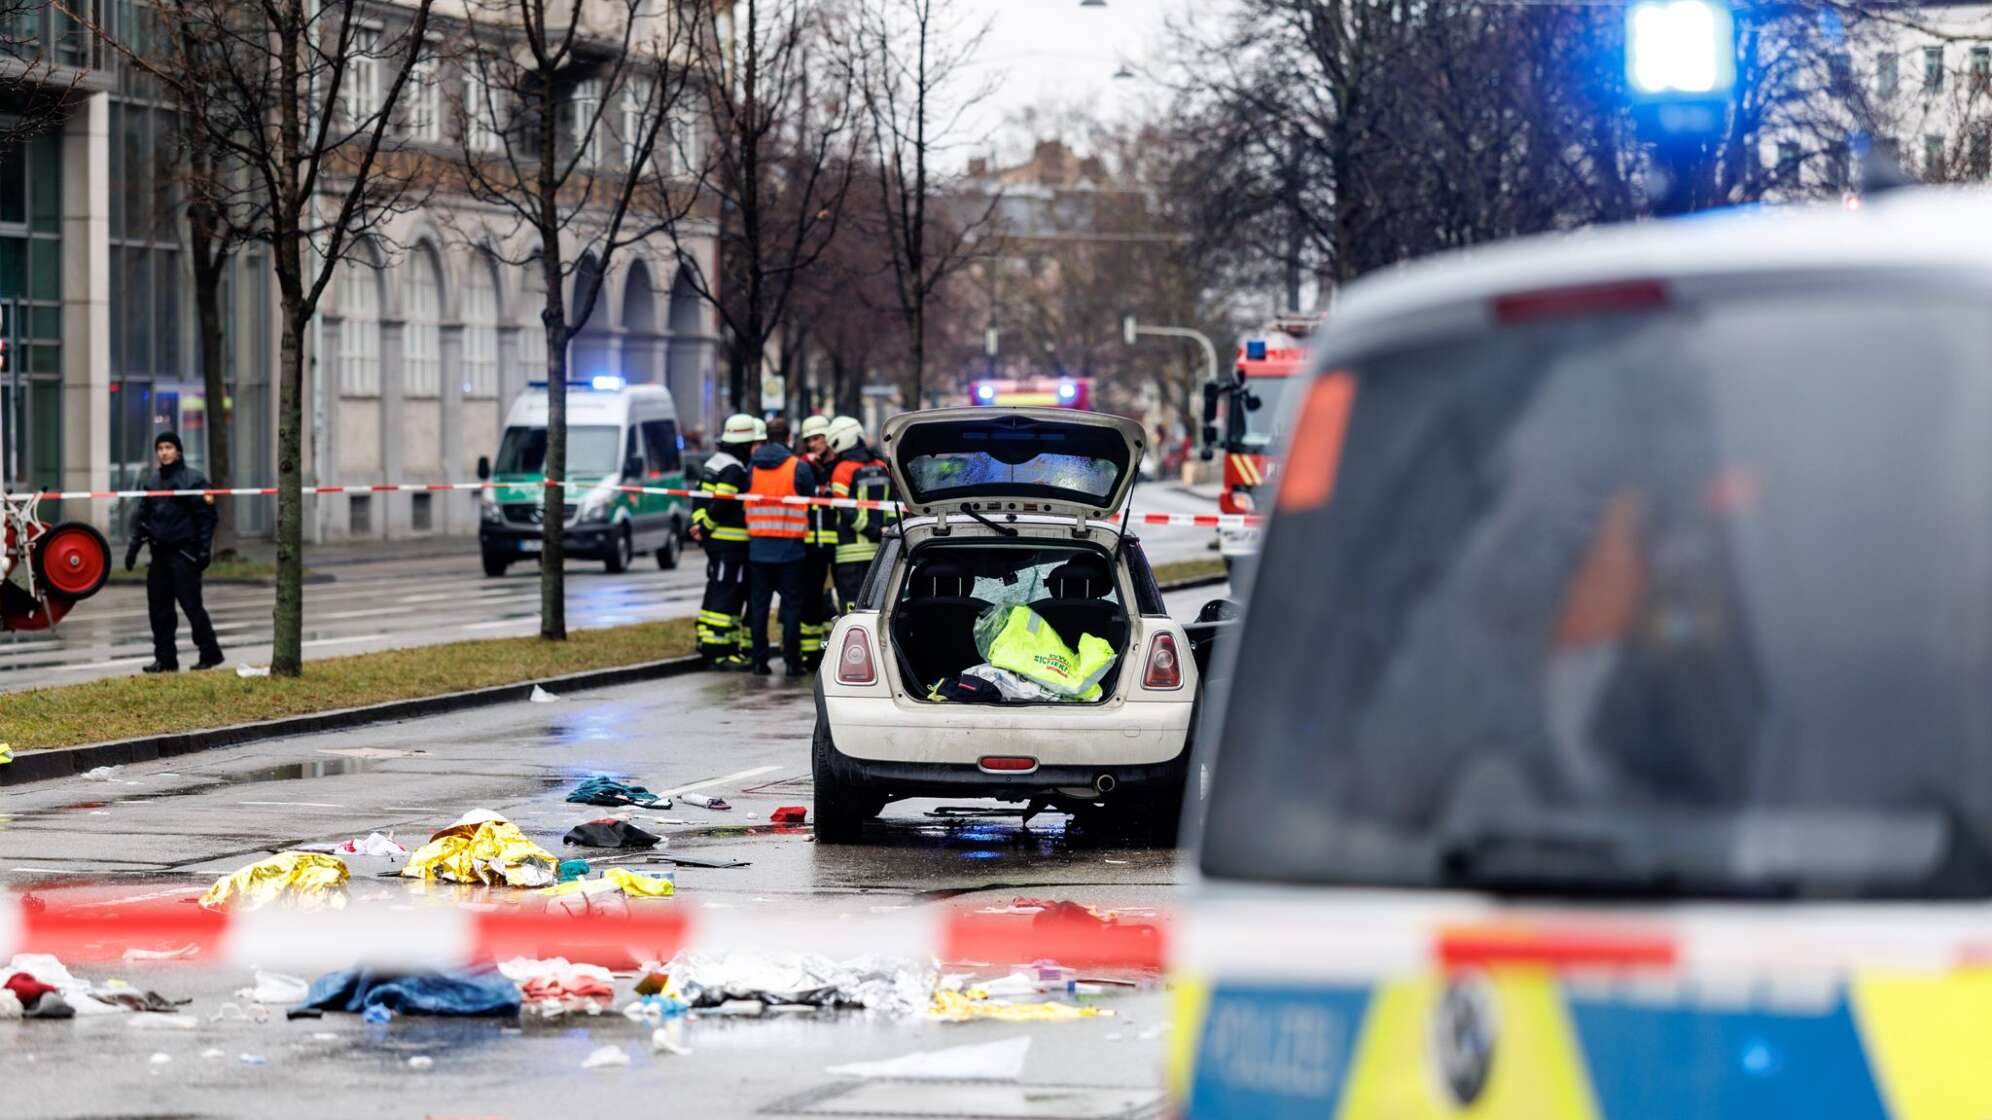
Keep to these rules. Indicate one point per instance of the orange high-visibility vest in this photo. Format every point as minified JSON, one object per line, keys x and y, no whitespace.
{"x":775,"y":518}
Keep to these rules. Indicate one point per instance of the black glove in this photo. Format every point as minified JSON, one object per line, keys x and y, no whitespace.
{"x":131,"y":554}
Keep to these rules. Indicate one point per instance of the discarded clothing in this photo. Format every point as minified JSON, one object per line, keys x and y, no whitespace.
{"x":482,"y":847}
{"x":558,"y":979}
{"x":571,"y":869}
{"x":602,"y":790}
{"x":887,"y":984}
{"x":790,"y":814}
{"x":609,"y":833}
{"x":633,"y":883}
{"x":422,"y":993}
{"x":72,"y":992}
{"x":961,"y":1007}
{"x":964,"y":688}
{"x":132,"y":999}
{"x":308,"y":880}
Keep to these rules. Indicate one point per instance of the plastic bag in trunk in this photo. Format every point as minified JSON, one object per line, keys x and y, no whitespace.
{"x":1014,"y":637}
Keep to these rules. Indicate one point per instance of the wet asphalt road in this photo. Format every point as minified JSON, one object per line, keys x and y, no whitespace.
{"x":424,"y":600}
{"x":164,"y":831}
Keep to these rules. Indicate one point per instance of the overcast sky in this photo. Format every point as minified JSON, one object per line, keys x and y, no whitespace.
{"x":1054,"y":54}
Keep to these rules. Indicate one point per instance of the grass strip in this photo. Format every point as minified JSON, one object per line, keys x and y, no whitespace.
{"x":128,"y":707}
{"x":234,"y":568}
{"x":1166,"y":574}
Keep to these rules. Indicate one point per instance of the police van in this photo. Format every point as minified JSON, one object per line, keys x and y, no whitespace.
{"x":617,"y":435}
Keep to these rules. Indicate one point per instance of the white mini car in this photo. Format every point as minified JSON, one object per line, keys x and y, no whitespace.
{"x":1004,"y":508}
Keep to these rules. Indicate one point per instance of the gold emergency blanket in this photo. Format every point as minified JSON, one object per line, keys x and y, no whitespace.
{"x":483,"y":848}
{"x":308,"y":880}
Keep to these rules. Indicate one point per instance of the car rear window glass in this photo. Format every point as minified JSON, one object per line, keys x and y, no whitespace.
{"x":1695,"y":601}
{"x":1012,"y":457}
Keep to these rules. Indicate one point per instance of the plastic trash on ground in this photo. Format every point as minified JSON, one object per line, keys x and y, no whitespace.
{"x":558,"y":979}
{"x":101,"y":773}
{"x":308,"y":880}
{"x":542,"y":696}
{"x":376,"y":844}
{"x":483,"y":848}
{"x":987,"y":1061}
{"x":964,"y":1006}
{"x":245,"y":670}
{"x":276,"y":988}
{"x":607,"y":1057}
{"x":889,"y":985}
{"x":635,"y":884}
{"x":703,"y":801}
{"x":604,"y":790}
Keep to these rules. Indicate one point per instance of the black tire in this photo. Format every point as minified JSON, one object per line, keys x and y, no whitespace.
{"x":621,"y":553}
{"x":841,"y":809}
{"x":494,"y":564}
{"x":674,"y":546}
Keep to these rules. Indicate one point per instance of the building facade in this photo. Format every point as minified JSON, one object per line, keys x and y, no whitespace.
{"x":421,"y":343}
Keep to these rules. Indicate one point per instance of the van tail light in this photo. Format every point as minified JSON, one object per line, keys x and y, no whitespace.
{"x":854,"y":661}
{"x":1165,"y":667}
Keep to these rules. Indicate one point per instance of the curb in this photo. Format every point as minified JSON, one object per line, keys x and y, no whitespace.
{"x":63,"y":762}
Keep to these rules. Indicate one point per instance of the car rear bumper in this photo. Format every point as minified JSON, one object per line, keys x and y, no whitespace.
{"x":880,"y":730}
{"x":587,"y":542}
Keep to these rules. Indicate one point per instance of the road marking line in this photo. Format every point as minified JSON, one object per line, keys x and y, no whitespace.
{"x":345,"y":641}
{"x":503,"y":622}
{"x":742,"y":775}
{"x":120,"y":663}
{"x":48,"y":871}
{"x":294,"y":804}
{"x":173,"y":893}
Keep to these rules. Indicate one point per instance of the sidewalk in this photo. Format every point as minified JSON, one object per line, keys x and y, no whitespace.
{"x":341,"y":553}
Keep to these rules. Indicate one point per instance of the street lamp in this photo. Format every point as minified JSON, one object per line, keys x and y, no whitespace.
{"x":1092,"y":3}
{"x":1124,"y":73}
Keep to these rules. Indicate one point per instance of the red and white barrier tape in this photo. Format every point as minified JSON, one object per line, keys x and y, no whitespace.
{"x":1177,"y":520}
{"x":1284,"y":942}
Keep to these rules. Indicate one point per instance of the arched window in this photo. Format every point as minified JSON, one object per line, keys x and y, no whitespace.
{"x":422,"y":296}
{"x":359,"y":331}
{"x":480,"y":328}
{"x":532,"y":335}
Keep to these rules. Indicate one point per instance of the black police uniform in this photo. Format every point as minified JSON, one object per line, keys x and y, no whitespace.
{"x":181,"y":533}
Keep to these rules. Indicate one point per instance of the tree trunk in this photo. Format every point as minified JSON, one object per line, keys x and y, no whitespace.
{"x":553,"y":510}
{"x":207,"y":302}
{"x":287,"y":647}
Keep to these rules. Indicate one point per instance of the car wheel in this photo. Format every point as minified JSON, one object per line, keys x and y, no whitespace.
{"x":841,"y":809}
{"x":620,"y":553}
{"x":674,"y":545}
{"x":495,"y":565}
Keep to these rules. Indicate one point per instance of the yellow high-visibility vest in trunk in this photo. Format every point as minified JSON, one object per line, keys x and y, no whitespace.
{"x":1028,"y":646}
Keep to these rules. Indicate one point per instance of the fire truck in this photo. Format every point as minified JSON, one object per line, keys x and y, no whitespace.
{"x":1239,"y":414}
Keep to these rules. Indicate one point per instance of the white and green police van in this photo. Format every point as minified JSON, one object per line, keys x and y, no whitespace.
{"x":617,"y":435}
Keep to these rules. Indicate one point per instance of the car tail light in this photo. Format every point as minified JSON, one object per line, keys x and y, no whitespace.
{"x":1007,"y":762}
{"x":854,"y":661}
{"x":1589,"y":299}
{"x":1165,"y":668}
{"x":1243,"y":500}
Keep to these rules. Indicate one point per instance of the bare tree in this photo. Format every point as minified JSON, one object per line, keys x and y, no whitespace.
{"x":201,"y":172}
{"x":779,"y":171}
{"x":911,"y":63}
{"x":541,"y":78}
{"x":287,"y":105}
{"x":46,"y":50}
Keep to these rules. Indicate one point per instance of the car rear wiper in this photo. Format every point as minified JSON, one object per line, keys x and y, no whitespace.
{"x":1006,"y":530}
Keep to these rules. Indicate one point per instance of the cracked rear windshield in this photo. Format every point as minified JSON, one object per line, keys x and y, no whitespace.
{"x":1696,"y":601}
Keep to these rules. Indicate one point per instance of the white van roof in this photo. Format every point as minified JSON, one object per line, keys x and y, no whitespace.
{"x":587,"y":405}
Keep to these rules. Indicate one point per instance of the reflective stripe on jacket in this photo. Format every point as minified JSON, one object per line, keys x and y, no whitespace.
{"x":722,"y":520}
{"x":773,"y":518}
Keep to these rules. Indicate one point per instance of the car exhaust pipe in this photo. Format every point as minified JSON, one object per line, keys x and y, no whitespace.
{"x":1104,"y":783}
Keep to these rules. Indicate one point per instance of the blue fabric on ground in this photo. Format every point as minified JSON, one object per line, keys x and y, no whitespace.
{"x":420,"y":993}
{"x":600,"y":790}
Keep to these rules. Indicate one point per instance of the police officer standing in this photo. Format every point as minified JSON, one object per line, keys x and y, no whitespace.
{"x":181,"y":533}
{"x":719,"y":524}
{"x":777,"y":533}
{"x":819,"y":548}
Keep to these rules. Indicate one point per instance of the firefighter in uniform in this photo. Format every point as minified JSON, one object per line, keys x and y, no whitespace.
{"x":777,"y":536}
{"x":181,"y":533}
{"x":819,"y":548}
{"x":720,"y":526}
{"x":857,"y":529}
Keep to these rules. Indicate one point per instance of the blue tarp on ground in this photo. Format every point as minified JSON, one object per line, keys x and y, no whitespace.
{"x":420,"y":993}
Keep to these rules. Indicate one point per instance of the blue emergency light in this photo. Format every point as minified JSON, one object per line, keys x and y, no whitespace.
{"x":1067,"y":390}
{"x":606,"y":383}
{"x":1255,"y":350}
{"x":1680,"y":49}
{"x":985,"y":392}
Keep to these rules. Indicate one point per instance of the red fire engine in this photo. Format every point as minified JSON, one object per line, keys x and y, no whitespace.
{"x":1269,"y":364}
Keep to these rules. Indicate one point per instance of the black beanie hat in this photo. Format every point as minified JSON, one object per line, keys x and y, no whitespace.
{"x":169,"y":436}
